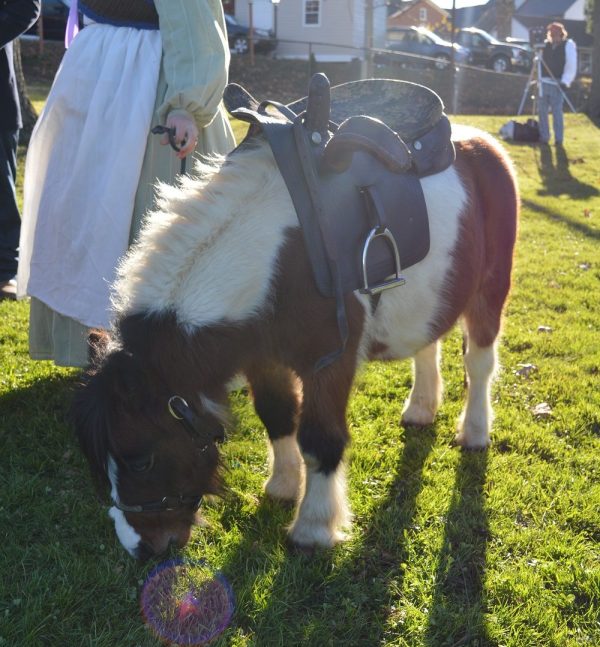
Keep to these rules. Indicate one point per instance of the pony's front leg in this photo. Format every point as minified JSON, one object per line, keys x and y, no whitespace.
{"x":276,"y":394}
{"x":323,"y":511}
{"x":426,"y":394}
{"x":476,"y":419}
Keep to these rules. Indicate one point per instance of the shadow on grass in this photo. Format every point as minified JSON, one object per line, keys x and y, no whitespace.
{"x":315,"y":596}
{"x":458,"y":605}
{"x":580,"y":227}
{"x":45,"y":400}
{"x":34,"y":431}
{"x":556,"y":175}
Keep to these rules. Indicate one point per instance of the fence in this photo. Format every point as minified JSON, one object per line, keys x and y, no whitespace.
{"x":464,"y":89}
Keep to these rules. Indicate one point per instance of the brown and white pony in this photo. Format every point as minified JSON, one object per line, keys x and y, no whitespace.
{"x":220,"y":284}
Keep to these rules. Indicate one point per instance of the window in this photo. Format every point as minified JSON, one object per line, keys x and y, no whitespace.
{"x":423,"y":14}
{"x":312,"y":12}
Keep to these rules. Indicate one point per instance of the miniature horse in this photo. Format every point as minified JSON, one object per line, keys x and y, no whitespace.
{"x":220,"y":284}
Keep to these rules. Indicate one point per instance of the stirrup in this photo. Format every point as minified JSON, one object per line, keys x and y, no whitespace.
{"x":380,"y":232}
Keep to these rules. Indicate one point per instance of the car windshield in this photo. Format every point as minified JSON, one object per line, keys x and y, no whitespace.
{"x":490,"y":39}
{"x":434,"y":37}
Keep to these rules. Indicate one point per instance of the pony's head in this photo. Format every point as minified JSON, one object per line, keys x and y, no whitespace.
{"x":154,"y":449}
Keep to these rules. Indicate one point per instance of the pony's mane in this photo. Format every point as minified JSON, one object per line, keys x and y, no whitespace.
{"x":212,"y":224}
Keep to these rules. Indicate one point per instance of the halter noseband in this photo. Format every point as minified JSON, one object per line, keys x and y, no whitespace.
{"x":166,"y":504}
{"x":180,"y":410}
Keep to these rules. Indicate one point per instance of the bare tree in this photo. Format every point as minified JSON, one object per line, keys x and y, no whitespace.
{"x":27,"y":109}
{"x":594,"y":100}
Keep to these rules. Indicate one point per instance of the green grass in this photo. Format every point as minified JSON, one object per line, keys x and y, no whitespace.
{"x":448,"y":548}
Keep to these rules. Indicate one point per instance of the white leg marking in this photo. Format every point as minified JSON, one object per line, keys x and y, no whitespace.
{"x":324,"y":508}
{"x":128,"y":537}
{"x":426,"y":394}
{"x":476,"y":419}
{"x":286,"y":469}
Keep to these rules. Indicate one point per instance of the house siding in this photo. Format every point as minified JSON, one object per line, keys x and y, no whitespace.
{"x":335,"y":25}
{"x":262,"y":13}
{"x":341,"y":28}
{"x":576,"y":11}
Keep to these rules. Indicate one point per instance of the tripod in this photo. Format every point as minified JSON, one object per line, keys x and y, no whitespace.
{"x":535,"y":79}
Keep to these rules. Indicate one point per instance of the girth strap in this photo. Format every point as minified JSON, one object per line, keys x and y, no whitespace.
{"x":305,"y":156}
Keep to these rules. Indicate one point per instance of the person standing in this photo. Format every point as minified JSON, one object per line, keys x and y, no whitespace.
{"x":93,"y":164}
{"x":559,"y":68}
{"x":16,"y":17}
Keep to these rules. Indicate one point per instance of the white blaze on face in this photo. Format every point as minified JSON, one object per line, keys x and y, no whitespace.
{"x":127,"y":535}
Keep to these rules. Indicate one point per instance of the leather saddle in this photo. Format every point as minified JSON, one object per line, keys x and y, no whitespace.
{"x":351,"y":157}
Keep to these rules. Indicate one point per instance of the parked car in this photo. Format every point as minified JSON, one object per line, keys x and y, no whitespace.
{"x":487,"y":51}
{"x":520,"y":42}
{"x":420,"y":42}
{"x":237,"y":35}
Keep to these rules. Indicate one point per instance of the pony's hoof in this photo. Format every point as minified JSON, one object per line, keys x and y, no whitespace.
{"x":300,"y":549}
{"x":310,"y":537}
{"x":283,"y":490}
{"x":417,"y":416}
{"x":472,"y":442}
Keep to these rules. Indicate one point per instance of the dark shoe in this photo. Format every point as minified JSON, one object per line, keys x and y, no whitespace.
{"x":8,"y":289}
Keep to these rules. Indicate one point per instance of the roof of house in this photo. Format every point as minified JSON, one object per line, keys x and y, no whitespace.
{"x":401,"y":7}
{"x":544,"y":8}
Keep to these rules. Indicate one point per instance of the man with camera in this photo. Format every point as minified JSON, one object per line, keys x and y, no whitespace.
{"x":558,"y":70}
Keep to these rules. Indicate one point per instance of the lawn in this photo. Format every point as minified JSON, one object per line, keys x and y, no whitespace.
{"x":448,"y":548}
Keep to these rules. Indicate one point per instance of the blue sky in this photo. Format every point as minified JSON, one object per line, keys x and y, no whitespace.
{"x":447,"y":4}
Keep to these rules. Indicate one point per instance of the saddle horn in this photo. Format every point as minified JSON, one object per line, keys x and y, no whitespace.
{"x":318,"y":106}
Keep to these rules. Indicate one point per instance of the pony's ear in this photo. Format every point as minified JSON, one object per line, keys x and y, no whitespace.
{"x":98,"y":342}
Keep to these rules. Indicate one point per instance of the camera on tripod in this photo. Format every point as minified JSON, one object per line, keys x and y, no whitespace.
{"x":537,"y":36}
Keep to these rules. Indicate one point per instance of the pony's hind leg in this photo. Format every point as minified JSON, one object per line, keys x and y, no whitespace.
{"x":476,"y":419}
{"x":426,"y":394}
{"x":276,"y":396}
{"x":482,"y":325}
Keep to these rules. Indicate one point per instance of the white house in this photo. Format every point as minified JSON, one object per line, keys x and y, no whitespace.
{"x":332,"y":30}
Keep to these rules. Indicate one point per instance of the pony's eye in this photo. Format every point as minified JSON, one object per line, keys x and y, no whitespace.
{"x":140,"y":464}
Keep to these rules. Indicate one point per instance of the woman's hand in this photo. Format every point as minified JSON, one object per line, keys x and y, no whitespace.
{"x":186,"y":132}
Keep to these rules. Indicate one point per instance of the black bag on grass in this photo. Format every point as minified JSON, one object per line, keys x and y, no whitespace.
{"x":521,"y":132}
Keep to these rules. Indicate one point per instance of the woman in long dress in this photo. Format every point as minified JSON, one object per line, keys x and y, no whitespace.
{"x":92,"y":163}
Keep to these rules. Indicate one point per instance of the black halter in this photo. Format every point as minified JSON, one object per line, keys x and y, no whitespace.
{"x":180,"y":410}
{"x":166,"y":504}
